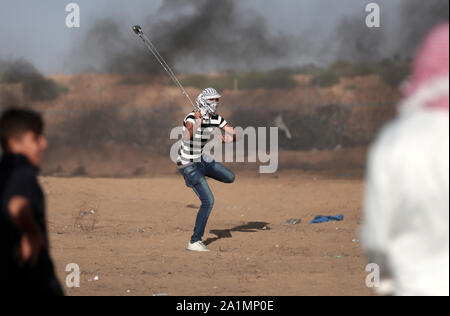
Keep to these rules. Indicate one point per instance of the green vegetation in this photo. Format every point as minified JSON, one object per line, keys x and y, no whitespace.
{"x":134,"y":81}
{"x":391,"y":71}
{"x":394,"y":73}
{"x":326,"y":78}
{"x":347,"y":69}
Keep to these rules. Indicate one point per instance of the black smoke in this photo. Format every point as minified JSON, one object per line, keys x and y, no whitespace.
{"x":209,"y":36}
{"x":417,"y":17}
{"x":35,"y":86}
{"x":399,"y":36}
{"x":353,"y":41}
{"x":198,"y":34}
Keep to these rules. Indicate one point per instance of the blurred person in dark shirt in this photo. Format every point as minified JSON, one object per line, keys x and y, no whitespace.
{"x":25,"y":263}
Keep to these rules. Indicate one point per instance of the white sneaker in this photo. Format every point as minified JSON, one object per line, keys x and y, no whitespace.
{"x":197,"y":246}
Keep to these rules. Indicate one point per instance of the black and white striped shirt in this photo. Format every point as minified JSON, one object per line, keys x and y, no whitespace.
{"x":191,"y":151}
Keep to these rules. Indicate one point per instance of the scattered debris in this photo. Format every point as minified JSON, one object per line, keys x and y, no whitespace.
{"x":86,"y":219}
{"x":323,"y":219}
{"x":335,"y":256}
{"x":292,"y":221}
{"x":96,"y":278}
{"x":143,"y":230}
{"x":87,"y":212}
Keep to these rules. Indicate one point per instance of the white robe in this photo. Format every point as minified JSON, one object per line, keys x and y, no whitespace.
{"x":406,"y":216}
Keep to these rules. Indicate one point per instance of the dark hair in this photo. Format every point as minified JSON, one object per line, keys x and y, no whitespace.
{"x":15,"y":122}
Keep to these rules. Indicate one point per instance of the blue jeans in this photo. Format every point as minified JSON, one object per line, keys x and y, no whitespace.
{"x":194,"y":175}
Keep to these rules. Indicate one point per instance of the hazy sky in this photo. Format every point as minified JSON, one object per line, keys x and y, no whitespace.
{"x":36,"y":31}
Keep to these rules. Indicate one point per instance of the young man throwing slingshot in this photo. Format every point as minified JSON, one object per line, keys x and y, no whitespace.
{"x":195,"y":166}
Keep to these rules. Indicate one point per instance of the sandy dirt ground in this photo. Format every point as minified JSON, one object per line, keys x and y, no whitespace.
{"x":132,"y":234}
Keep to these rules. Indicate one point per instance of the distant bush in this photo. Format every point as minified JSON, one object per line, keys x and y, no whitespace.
{"x":111,"y":124}
{"x":323,"y":128}
{"x":137,"y":80}
{"x":391,"y":70}
{"x":347,"y":69}
{"x":343,"y":68}
{"x":395,"y":74}
{"x":36,"y":86}
{"x":277,"y":79}
{"x":325,"y":79}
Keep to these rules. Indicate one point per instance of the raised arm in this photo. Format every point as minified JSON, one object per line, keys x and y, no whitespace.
{"x":192,"y":127}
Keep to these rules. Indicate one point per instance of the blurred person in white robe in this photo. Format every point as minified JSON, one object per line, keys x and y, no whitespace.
{"x":406,"y":212}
